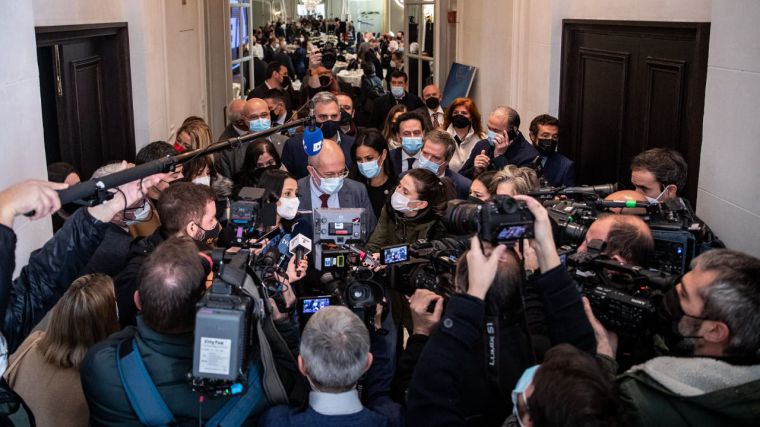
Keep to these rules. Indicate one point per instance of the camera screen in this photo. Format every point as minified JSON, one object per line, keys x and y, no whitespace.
{"x":313,"y":305}
{"x":512,"y":232}
{"x":395,"y":254}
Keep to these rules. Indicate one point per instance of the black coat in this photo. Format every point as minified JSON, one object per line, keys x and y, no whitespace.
{"x":51,"y":269}
{"x":520,"y":153}
{"x":384,"y":104}
{"x":453,"y":368}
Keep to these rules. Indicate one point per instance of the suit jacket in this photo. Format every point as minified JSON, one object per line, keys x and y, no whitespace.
{"x":461,"y":183}
{"x":395,"y":158}
{"x":352,"y":195}
{"x":384,"y":104}
{"x":230,"y":161}
{"x":520,"y":153}
{"x":259,"y":71}
{"x":284,"y":59}
{"x":295,"y":159}
{"x":559,"y":170}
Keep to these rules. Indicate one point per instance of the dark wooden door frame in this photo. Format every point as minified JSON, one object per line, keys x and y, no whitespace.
{"x":50,"y":36}
{"x":691,"y":114}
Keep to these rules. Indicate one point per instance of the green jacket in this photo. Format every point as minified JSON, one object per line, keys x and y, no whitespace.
{"x":394,"y":229}
{"x":672,"y":391}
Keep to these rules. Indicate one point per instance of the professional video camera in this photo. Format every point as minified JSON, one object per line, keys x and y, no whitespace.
{"x":570,"y":220}
{"x":499,"y":220}
{"x":623,"y":297}
{"x":232,"y":323}
{"x":248,"y":212}
{"x":424,"y":265}
{"x":584,"y":192}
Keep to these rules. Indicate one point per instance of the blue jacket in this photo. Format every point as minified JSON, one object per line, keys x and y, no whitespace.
{"x":559,"y":170}
{"x":295,"y":159}
{"x":520,"y":153}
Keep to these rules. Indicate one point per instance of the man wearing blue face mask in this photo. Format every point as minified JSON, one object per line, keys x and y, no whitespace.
{"x":399,"y":94}
{"x":327,"y":113}
{"x":327,"y":185}
{"x":411,"y":128}
{"x":505,"y":145}
{"x":437,"y":151}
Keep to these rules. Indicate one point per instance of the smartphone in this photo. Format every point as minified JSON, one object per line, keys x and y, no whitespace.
{"x":394,"y":254}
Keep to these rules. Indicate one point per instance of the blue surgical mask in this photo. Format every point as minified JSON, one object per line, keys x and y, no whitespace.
{"x":491,"y":136}
{"x":369,"y":169}
{"x":259,"y":125}
{"x":522,"y":384}
{"x":330,"y":185}
{"x":428,"y":164}
{"x":411,"y":144}
{"x":397,"y":91}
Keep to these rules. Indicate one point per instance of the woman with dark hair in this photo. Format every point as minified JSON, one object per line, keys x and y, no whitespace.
{"x":390,"y":129}
{"x":44,"y":370}
{"x":259,"y":156}
{"x":480,"y":187}
{"x":414,"y":210}
{"x":462,"y":121}
{"x":373,"y":168}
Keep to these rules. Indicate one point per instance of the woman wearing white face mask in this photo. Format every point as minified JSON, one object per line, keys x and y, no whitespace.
{"x":413,"y":211}
{"x":373,"y":168}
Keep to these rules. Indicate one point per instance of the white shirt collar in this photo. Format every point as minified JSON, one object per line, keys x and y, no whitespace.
{"x":333,"y":201}
{"x":405,"y":156}
{"x":453,"y":132}
{"x":439,"y":110}
{"x":335,"y":403}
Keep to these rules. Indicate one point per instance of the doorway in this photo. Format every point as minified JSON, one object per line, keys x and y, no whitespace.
{"x":86,"y":94}
{"x":630,"y":86}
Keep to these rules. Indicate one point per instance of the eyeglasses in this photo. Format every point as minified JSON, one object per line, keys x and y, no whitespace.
{"x":342,"y":174}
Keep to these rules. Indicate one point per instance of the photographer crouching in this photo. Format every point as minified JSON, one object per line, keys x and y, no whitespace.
{"x":483,"y":343}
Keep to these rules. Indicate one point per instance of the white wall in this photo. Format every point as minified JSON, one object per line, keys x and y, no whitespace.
{"x":728,"y":191}
{"x":21,"y":117}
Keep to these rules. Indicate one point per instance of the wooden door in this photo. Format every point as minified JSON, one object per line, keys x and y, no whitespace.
{"x":630,"y":86}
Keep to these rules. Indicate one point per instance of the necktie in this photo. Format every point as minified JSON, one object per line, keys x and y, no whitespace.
{"x":410,"y":163}
{"x":323,"y":198}
{"x":436,"y":123}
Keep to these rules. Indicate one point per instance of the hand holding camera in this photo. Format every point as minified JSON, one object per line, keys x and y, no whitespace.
{"x":542,"y":231}
{"x":425,"y":321}
{"x":481,"y":269}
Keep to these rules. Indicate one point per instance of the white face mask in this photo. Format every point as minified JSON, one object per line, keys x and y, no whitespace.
{"x":400,"y":203}
{"x":656,"y":199}
{"x":288,"y":207}
{"x":142,"y":214}
{"x":203,"y":180}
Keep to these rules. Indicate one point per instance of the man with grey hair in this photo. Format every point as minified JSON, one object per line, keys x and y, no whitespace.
{"x":327,"y":115}
{"x":437,"y":150}
{"x":712,"y":319}
{"x":335,"y":353}
{"x":237,"y":126}
{"x":505,"y":145}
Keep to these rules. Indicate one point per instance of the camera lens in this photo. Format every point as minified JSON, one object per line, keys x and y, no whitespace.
{"x":573,"y":233}
{"x":461,"y":217}
{"x":505,"y":204}
{"x":363,"y":293}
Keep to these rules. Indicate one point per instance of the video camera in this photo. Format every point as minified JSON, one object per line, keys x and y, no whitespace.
{"x":583,"y":192}
{"x":428,"y":265}
{"x":499,"y":220}
{"x":248,"y":212}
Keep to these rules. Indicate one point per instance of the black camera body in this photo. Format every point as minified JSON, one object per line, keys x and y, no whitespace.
{"x":499,"y":220}
{"x":570,"y":220}
{"x":431,"y":266}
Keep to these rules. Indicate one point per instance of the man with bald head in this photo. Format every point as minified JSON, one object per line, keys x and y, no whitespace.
{"x":327,"y":185}
{"x":625,"y":196}
{"x":256,"y":118}
{"x":504,"y":146}
{"x":431,"y":96}
{"x":237,"y":126}
{"x":629,"y":239}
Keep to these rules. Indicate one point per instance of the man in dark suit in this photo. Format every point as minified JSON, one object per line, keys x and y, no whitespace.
{"x":432,"y":110}
{"x":437,"y":151}
{"x":259,"y":71}
{"x":505,"y":145}
{"x":411,"y":128}
{"x":557,"y":169}
{"x":283,"y":58}
{"x":399,"y":94}
{"x":327,"y":115}
{"x":275,"y":99}
{"x":238,"y":125}
{"x":326,"y":185}
{"x":276,"y":78}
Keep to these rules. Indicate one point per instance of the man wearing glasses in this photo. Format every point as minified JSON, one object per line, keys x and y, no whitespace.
{"x":327,"y":115}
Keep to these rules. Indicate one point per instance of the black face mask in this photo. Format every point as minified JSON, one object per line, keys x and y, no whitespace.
{"x":460,"y":122}
{"x":329,"y":128}
{"x":669,"y":315}
{"x":345,"y":118}
{"x":546,"y":146}
{"x":273,"y":117}
{"x":209,"y":237}
{"x":324,"y":81}
{"x":286,"y":81}
{"x":432,"y":103}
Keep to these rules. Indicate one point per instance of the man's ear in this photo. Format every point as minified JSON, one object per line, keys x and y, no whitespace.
{"x":191,"y":229}
{"x":717,"y":332}
{"x":301,"y":366}
{"x":532,"y":137}
{"x":672,"y":191}
{"x":136,"y":297}
{"x":369,"y":362}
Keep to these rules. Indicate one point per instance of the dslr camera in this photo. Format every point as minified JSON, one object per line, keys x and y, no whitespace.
{"x":501,"y":220}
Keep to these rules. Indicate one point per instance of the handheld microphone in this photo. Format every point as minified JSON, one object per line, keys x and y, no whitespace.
{"x":312,"y":140}
{"x":283,"y":249}
{"x":300,"y":246}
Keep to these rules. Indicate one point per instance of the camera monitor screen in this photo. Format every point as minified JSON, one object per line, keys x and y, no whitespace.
{"x":395,"y":254}
{"x":313,"y":305}
{"x":512,"y":232}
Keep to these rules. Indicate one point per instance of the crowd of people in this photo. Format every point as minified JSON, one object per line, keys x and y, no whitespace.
{"x":512,"y":342}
